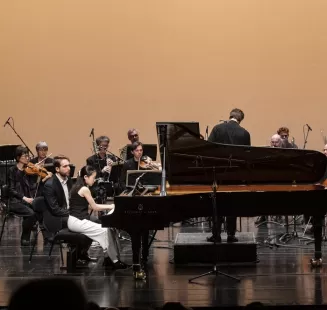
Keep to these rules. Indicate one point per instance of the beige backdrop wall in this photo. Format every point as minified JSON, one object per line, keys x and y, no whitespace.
{"x":68,"y":66}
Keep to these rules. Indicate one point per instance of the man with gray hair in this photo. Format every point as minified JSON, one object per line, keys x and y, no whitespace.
{"x":276,"y":141}
{"x":133,"y":135}
{"x":42,"y":161}
{"x":42,"y":152}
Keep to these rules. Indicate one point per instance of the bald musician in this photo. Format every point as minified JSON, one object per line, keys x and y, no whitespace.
{"x":276,"y":141}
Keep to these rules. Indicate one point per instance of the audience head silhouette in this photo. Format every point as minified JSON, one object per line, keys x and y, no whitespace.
{"x":50,"y":294}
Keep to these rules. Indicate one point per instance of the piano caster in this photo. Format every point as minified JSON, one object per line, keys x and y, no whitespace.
{"x":139,"y":275}
{"x":316,"y":262}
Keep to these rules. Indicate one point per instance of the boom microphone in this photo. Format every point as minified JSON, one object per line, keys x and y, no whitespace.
{"x":309,"y":127}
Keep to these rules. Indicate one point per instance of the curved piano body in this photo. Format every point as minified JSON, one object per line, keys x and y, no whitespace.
{"x":251,"y":181}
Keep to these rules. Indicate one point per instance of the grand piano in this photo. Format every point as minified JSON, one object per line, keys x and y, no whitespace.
{"x":250,"y":181}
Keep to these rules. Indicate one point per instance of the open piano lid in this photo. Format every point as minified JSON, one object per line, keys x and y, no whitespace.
{"x":190,"y":160}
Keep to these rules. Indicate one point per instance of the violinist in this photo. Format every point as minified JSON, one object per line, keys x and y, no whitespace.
{"x":133,"y":163}
{"x":23,"y":196}
{"x":42,"y":161}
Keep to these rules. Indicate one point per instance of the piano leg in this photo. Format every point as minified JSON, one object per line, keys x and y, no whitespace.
{"x":317,"y":232}
{"x":139,"y":242}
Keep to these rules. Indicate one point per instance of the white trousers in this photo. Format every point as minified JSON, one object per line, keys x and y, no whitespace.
{"x":107,"y":237}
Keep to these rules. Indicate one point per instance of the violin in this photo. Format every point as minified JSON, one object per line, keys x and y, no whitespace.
{"x":147,"y":163}
{"x":32,"y":169}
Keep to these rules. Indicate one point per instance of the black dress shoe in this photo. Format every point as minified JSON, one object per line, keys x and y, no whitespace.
{"x":212,"y":239}
{"x":231,"y":238}
{"x":24,"y":242}
{"x":120,"y":265}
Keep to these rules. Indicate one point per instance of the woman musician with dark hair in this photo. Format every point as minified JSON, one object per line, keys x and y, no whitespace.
{"x":23,"y":193}
{"x":79,"y":218}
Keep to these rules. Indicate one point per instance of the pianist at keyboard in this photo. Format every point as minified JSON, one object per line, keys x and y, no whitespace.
{"x":229,"y":133}
{"x":79,"y":218}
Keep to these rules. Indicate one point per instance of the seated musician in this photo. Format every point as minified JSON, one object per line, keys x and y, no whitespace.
{"x":101,"y":161}
{"x":56,"y":194}
{"x":24,"y":195}
{"x":284,"y":133}
{"x":79,"y":218}
{"x":139,"y":238}
{"x":276,"y":141}
{"x":42,"y":161}
{"x":229,"y":133}
{"x":42,"y":152}
{"x":133,"y":136}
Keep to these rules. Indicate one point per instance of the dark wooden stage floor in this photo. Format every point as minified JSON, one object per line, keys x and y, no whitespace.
{"x":282,"y":277}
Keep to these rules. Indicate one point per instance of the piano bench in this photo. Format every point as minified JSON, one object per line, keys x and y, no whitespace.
{"x":74,"y":240}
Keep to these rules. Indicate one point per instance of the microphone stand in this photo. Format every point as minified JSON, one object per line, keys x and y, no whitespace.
{"x":215,"y":270}
{"x":305,"y":135}
{"x":163,"y":133}
{"x":19,"y":137}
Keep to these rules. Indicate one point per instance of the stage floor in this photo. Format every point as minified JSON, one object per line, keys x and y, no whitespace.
{"x":283,"y":275}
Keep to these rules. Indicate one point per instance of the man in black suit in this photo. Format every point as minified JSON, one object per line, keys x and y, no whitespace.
{"x":56,"y":193}
{"x":229,"y":133}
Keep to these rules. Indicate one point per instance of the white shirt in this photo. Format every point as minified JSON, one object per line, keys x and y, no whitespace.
{"x":65,"y":187}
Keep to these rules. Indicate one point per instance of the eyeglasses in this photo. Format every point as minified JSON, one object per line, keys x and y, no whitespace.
{"x":134,"y":136}
{"x":284,"y":136}
{"x":25,"y":156}
{"x":103,"y":147}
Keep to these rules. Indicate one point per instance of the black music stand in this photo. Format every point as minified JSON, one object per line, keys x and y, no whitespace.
{"x":7,"y":152}
{"x":215,"y":271}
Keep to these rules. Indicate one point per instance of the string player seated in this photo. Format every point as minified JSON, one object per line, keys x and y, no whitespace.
{"x":25,"y":200}
{"x":42,"y":160}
